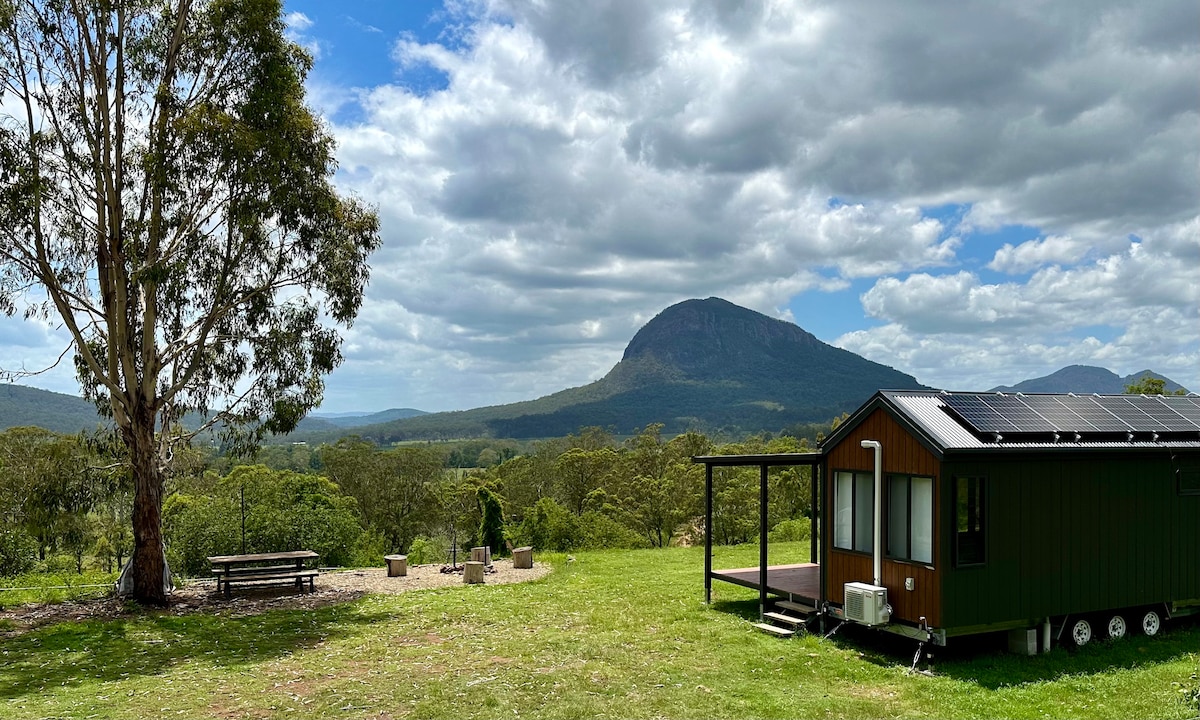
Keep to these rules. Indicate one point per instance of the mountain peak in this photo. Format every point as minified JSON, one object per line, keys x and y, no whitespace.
{"x":698,"y":337}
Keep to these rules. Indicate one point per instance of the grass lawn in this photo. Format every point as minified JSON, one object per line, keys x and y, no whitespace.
{"x":611,"y":634}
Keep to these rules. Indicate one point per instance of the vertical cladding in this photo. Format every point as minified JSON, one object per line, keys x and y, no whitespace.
{"x":1071,"y":534}
{"x":902,"y":454}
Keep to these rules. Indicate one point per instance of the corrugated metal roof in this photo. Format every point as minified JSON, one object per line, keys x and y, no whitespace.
{"x":927,"y":412}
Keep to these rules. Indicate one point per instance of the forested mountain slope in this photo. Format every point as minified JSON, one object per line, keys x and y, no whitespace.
{"x":704,"y":364}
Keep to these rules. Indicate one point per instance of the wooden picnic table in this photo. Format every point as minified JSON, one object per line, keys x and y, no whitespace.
{"x":264,"y":567}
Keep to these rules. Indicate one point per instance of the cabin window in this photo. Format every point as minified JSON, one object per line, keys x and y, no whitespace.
{"x":854,"y":505}
{"x":969,"y":527}
{"x":910,"y":518}
{"x":1189,"y":481}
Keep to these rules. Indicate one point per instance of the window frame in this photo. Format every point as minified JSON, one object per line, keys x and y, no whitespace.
{"x":1188,"y":481}
{"x":981,"y":515}
{"x":854,"y":502}
{"x":907,"y":556}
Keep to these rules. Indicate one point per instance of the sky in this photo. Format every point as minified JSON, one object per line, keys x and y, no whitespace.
{"x":974,"y":193}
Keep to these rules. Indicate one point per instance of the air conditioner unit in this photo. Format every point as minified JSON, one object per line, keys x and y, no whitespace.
{"x":867,"y":604}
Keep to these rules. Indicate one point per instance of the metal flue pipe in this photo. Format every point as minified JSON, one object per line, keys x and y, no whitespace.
{"x":877,"y":550}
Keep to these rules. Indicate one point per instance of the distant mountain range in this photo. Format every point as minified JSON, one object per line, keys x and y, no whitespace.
{"x":708,"y":365}
{"x":1081,"y":379}
{"x":703,"y":364}
{"x":358,"y":419}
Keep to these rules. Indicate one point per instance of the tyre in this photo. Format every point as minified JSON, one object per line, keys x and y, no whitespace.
{"x":1079,"y":633}
{"x":1115,"y":628}
{"x":1151,"y":623}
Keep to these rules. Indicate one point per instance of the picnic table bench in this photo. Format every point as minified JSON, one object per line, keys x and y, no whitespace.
{"x":264,"y":567}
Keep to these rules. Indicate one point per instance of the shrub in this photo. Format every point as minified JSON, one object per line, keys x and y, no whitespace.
{"x":18,"y":551}
{"x":284,"y":510}
{"x":369,"y":549}
{"x":491,"y":525}
{"x":598,"y":531}
{"x":427,"y":551}
{"x":547,"y":526}
{"x":791,"y":531}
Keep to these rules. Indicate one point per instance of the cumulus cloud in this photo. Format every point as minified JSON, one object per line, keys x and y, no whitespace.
{"x":298,"y":25}
{"x":586,"y":163}
{"x":589,"y":163}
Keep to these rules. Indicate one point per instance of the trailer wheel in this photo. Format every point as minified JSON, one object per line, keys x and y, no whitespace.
{"x":1116,"y":627}
{"x":1151,"y":623}
{"x":1080,"y":633}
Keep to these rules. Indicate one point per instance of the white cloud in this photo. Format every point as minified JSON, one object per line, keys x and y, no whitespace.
{"x":1027,"y":256}
{"x":298,"y":24}
{"x":957,"y":331}
{"x":589,"y":162}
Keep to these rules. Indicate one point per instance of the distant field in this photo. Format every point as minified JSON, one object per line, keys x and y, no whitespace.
{"x":610,"y":634}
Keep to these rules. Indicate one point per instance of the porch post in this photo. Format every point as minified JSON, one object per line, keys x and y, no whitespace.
{"x":762,"y":542}
{"x":812,"y":536}
{"x":823,"y":550}
{"x":708,"y":532}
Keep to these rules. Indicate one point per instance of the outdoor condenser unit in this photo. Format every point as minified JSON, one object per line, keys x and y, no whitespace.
{"x":867,"y":604}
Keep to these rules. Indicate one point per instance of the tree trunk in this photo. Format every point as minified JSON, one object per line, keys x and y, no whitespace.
{"x":148,"y":562}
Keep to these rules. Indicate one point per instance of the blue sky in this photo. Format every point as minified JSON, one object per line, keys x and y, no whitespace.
{"x":974,"y":193}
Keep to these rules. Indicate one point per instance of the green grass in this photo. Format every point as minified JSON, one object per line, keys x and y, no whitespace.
{"x":612,"y":634}
{"x":54,"y":587}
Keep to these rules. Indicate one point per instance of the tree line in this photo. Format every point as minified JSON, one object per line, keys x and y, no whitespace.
{"x":353,"y":501}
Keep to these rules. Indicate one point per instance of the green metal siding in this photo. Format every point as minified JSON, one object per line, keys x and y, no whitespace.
{"x":1072,"y":534}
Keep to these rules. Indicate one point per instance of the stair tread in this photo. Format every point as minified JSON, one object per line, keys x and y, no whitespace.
{"x":774,"y":629}
{"x":781,"y":617}
{"x":796,"y":607}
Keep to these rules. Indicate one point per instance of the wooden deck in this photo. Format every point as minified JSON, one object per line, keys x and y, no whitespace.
{"x":799,"y":582}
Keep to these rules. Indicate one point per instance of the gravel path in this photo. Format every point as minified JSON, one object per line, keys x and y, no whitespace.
{"x":201,"y":596}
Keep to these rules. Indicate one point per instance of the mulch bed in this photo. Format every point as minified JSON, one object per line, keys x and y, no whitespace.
{"x":200,"y":596}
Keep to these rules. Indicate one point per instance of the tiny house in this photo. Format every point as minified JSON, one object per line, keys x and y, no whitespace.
{"x":1057,"y":518}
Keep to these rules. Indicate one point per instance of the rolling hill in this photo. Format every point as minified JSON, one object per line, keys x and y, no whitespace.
{"x":708,"y":365}
{"x":1084,"y":379}
{"x":24,"y":406}
{"x":703,"y":364}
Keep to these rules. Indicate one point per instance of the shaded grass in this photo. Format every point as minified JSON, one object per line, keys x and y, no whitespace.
{"x":612,"y":634}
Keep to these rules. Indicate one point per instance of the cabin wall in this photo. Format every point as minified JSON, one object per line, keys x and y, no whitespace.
{"x":902,"y":454}
{"x":1069,"y":534}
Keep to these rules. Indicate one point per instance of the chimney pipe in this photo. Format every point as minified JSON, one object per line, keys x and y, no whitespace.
{"x":877,"y":551}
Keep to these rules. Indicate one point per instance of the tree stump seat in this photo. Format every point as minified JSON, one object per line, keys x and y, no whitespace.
{"x":473,"y":572}
{"x":397,"y":565}
{"x":523,"y":558}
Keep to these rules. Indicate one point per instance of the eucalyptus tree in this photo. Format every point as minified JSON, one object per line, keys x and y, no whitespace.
{"x":166,"y":197}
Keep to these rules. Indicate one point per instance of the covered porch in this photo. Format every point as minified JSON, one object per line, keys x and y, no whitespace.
{"x":800,"y":582}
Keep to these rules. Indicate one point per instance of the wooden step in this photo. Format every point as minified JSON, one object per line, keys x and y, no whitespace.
{"x":785,"y":619}
{"x":774,"y":629}
{"x":795,"y":607}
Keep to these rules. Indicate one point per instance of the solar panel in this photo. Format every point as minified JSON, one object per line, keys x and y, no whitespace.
{"x":1014,"y":409}
{"x":980,"y":416}
{"x":1083,"y":414}
{"x":1137,"y":418}
{"x":1188,"y":407}
{"x":1163,"y":413}
{"x":1102,"y":420}
{"x":1058,"y":413}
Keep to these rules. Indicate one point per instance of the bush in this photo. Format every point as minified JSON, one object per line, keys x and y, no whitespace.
{"x":284,"y":510}
{"x":369,"y":549}
{"x":791,"y":531}
{"x":491,"y":525}
{"x":547,"y":526}
{"x":18,"y":551}
{"x":598,"y":531}
{"x":427,"y":551}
